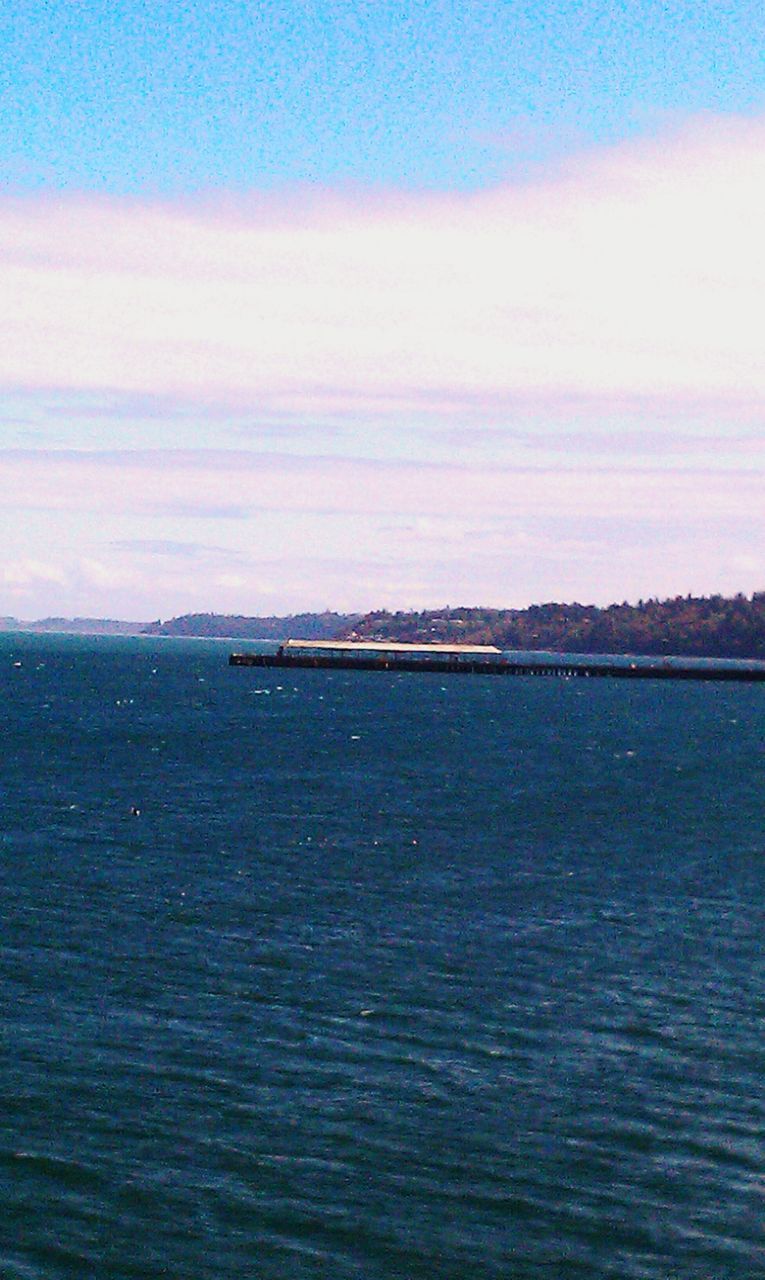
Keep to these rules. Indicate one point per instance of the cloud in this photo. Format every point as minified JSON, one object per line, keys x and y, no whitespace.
{"x":206,"y":484}
{"x":557,"y":384}
{"x":633,"y":276}
{"x":24,"y":573}
{"x":353,"y":535}
{"x":105,"y":576}
{"x":164,"y":548}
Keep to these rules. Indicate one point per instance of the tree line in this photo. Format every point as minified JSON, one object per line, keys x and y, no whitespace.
{"x":700,"y":626}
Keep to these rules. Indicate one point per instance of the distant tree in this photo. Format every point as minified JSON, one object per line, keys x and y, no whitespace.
{"x":701,"y":626}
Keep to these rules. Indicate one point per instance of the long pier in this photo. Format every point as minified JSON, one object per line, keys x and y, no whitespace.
{"x":461,"y":664}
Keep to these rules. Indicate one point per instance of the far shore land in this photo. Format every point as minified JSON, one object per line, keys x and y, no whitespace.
{"x":689,"y":626}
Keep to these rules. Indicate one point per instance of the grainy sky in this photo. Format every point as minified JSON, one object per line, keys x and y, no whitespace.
{"x":365,"y":304}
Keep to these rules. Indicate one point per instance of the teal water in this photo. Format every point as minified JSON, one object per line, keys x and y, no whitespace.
{"x":391,"y":975}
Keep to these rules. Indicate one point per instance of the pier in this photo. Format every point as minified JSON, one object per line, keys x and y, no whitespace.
{"x":486,"y":660}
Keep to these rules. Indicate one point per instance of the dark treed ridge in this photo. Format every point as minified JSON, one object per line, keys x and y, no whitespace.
{"x":699,"y":626}
{"x":308,"y":626}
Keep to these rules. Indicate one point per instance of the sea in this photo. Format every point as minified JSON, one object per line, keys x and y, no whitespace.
{"x":367,"y":975}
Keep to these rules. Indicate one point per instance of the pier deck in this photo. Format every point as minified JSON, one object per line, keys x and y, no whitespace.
{"x":454,"y":662}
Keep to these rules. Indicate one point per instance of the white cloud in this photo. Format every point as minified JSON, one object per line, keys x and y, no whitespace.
{"x":636,"y":273}
{"x":214,"y":486}
{"x":28,"y":572}
{"x":97,"y":573}
{"x":604,"y":323}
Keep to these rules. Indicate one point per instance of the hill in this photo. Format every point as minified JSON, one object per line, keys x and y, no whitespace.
{"x":307,"y":626}
{"x":78,"y":626}
{"x":700,"y":626}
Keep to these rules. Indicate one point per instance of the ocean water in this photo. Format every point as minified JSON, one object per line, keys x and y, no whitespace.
{"x":391,"y":975}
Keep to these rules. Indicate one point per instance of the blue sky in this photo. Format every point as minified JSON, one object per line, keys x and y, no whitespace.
{"x":169,"y":97}
{"x":373,"y":303}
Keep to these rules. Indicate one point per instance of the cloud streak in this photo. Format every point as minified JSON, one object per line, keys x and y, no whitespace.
{"x":552,"y":388}
{"x":633,"y":275}
{"x":242,"y":533}
{"x":241,"y":485}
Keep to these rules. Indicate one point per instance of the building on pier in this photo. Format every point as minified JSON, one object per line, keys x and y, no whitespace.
{"x":466,"y":659}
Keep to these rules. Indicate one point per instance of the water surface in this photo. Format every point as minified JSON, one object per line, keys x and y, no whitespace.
{"x":390,"y":975}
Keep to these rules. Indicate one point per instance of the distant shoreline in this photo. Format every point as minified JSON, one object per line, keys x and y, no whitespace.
{"x":72,"y":626}
{"x":684,"y":626}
